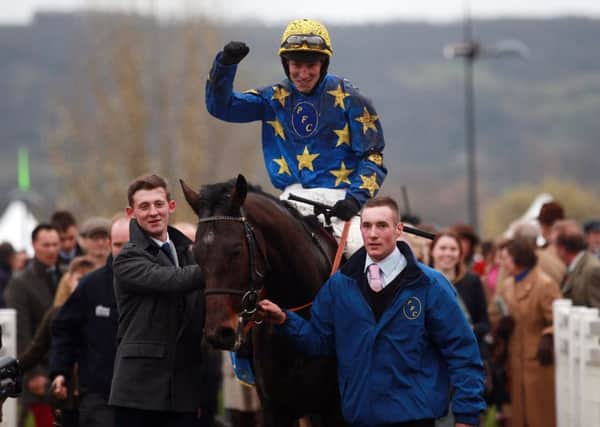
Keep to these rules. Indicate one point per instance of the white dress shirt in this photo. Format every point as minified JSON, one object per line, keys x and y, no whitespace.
{"x":171,"y":244}
{"x":390,"y":267}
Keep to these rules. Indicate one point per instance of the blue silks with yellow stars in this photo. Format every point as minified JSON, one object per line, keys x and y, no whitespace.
{"x":331,"y":138}
{"x":243,"y":369}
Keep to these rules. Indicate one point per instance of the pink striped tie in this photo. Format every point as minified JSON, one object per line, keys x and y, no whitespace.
{"x":375,"y":278}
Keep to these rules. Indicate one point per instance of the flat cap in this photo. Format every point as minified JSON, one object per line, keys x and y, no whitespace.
{"x":94,"y":226}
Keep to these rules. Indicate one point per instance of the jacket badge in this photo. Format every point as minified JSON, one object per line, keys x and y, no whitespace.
{"x":102,"y":311}
{"x":412,"y":308}
{"x":305,"y":119}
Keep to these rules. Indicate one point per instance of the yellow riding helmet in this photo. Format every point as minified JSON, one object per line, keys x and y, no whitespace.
{"x":305,"y":35}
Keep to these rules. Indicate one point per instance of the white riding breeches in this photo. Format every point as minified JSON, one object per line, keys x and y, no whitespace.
{"x":326,"y":196}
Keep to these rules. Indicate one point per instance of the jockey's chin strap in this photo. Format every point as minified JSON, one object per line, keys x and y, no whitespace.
{"x":251,"y":296}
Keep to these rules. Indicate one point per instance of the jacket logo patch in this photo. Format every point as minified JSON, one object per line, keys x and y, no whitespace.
{"x":305,"y":119}
{"x":412,"y":308}
{"x":102,"y":311}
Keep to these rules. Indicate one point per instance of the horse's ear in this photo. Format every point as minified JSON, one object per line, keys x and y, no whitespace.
{"x":190,"y":195}
{"x":238,"y":195}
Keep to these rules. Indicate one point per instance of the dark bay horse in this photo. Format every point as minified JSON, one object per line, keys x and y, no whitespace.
{"x":250,"y":245}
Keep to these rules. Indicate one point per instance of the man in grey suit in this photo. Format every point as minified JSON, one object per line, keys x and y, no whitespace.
{"x":31,"y":293}
{"x":158,"y":289}
{"x":582,"y":281}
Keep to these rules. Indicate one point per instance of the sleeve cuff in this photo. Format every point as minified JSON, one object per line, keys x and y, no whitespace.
{"x":469,"y":419}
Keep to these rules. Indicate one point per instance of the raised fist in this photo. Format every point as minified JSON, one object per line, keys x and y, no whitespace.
{"x":234,"y":52}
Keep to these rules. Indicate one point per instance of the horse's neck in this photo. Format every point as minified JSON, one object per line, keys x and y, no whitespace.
{"x":298,"y":266}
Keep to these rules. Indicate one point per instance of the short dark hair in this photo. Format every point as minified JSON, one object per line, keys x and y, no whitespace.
{"x":6,"y":252}
{"x":465,"y":231}
{"x":146,"y":182}
{"x":522,"y":252}
{"x":571,"y":238}
{"x":62,"y":220}
{"x":384,"y":201}
{"x":43,"y":226}
{"x":551,"y":212}
{"x":591,"y":226}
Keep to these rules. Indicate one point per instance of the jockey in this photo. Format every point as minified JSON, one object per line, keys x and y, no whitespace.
{"x":322,"y":140}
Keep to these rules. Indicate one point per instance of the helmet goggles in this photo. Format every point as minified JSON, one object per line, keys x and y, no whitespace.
{"x":299,"y":41}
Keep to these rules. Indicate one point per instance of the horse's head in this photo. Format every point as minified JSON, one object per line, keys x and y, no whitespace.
{"x":232,"y":257}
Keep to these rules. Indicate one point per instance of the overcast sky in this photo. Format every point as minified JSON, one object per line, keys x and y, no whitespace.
{"x":276,"y":11}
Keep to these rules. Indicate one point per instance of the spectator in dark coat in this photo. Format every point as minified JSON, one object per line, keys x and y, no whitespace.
{"x":65,"y":412}
{"x":7,"y":253}
{"x":158,"y":289}
{"x":84,"y":332}
{"x":65,"y":224}
{"x":31,"y":293}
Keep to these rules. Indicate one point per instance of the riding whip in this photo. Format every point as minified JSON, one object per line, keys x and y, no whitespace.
{"x":327,"y":210}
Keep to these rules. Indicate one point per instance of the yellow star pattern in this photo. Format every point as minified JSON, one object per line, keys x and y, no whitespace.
{"x":277,"y":128}
{"x":341,"y":174}
{"x":339,"y":96}
{"x":305,"y":160}
{"x":343,"y":135}
{"x":367,"y":120}
{"x":370,"y":183}
{"x":280,"y":94}
{"x":283,"y":166}
{"x":376,"y":158}
{"x":252,"y":91}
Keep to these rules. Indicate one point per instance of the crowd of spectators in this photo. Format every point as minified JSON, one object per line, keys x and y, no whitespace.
{"x":505,"y":286}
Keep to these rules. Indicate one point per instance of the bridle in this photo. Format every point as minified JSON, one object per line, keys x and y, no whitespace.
{"x":251,"y":296}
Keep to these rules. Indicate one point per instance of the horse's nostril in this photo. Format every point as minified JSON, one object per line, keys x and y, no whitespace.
{"x":222,"y":339}
{"x":226,"y":334}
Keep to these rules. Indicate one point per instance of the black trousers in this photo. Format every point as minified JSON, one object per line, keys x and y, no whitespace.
{"x":131,"y":417}
{"x":94,"y":411}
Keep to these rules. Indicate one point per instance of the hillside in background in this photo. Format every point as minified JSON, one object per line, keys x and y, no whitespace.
{"x":536,"y":118}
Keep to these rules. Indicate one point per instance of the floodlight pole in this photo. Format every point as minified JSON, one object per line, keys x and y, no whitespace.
{"x":470,"y":51}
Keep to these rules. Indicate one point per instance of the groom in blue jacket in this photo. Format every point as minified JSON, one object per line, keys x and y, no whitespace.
{"x":400,"y":338}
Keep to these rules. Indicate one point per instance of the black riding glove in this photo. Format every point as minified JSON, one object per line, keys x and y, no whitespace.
{"x":345,"y":209}
{"x":545,"y":354}
{"x":234,"y":52}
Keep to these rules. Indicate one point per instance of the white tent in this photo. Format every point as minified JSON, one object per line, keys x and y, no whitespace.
{"x":530,"y":216}
{"x":16,"y":224}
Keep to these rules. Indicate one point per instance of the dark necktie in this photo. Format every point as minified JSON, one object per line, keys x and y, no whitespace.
{"x":166,"y":248}
{"x":53,"y":274}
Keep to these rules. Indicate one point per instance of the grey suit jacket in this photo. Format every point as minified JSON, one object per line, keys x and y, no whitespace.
{"x":161,"y":317}
{"x":582,"y":285}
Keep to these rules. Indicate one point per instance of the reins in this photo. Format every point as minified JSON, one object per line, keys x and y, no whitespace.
{"x":336,"y":262}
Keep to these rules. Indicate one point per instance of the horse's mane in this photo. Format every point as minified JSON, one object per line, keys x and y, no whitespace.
{"x":217,"y":196}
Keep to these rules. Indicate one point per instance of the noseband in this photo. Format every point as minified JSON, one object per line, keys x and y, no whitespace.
{"x":251,"y":296}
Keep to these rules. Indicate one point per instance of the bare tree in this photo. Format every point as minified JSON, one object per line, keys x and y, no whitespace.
{"x":135,"y":104}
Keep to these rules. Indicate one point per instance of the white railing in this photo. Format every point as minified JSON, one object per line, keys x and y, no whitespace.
{"x":8,"y":321}
{"x":577,"y":350}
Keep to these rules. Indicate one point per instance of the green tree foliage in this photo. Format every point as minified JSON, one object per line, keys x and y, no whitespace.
{"x":580,"y":204}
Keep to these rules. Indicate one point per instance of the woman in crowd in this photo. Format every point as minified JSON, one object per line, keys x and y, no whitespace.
{"x":528,"y":294}
{"x":446,"y":255}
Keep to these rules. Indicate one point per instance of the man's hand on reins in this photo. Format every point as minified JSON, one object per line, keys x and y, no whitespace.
{"x":270,"y":312}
